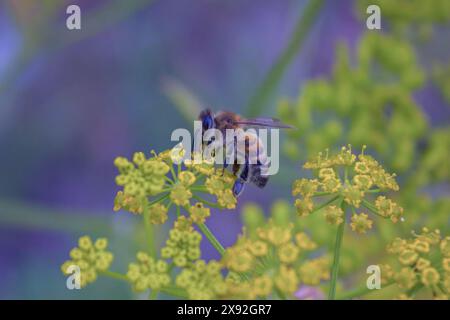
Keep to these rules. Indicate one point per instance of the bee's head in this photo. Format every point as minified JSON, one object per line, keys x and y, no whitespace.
{"x":207,"y":119}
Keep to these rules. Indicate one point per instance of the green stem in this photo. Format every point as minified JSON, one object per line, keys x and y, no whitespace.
{"x":149,"y":232}
{"x":259,"y":100}
{"x":115,"y":275}
{"x":153,"y":295}
{"x":208,"y":203}
{"x":175,"y":292}
{"x":337,"y":253}
{"x":372,"y":208}
{"x":323,"y":205}
{"x":211,"y":238}
{"x":359,"y":292}
{"x":169,"y":290}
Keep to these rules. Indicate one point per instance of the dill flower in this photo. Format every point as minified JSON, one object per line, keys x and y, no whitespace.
{"x":157,"y":214}
{"x":202,"y":280}
{"x":148,"y":273}
{"x":346,"y":181}
{"x":183,"y":247}
{"x":390,"y":120}
{"x":226,"y":199}
{"x":91,"y":257}
{"x":272,"y":261}
{"x":180,"y":195}
{"x":152,"y":185}
{"x":313,"y":271}
{"x":334,"y":215}
{"x":361,"y":223}
{"x":286,"y":280}
{"x":199,"y":213}
{"x":423,"y":263}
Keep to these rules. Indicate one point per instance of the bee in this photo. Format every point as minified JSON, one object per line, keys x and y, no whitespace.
{"x":256,"y":162}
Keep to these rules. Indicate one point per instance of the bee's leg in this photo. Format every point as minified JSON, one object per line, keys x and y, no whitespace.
{"x":238,"y":186}
{"x":255,"y":177}
{"x":236,"y":167}
{"x":225,"y":165}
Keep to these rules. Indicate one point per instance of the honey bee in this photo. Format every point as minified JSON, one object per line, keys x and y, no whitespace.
{"x":255,"y":162}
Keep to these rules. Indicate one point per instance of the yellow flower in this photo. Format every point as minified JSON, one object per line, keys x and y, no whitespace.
{"x":186,"y":178}
{"x":262,"y":286}
{"x":353,"y":196}
{"x":183,"y":247}
{"x":148,"y":273}
{"x":127,"y":202}
{"x":421,"y":246}
{"x":446,"y":264}
{"x":305,"y":187}
{"x":203,"y":281}
{"x":430,"y":277}
{"x":215,"y":185}
{"x":361,"y":223}
{"x":276,"y":235}
{"x":157,"y":214}
{"x":445,"y":247}
{"x":331,"y":184}
{"x":183,"y":224}
{"x":406,"y":278}
{"x":384,"y":206}
{"x":238,"y":259}
{"x":325,"y":173}
{"x":422,"y":263}
{"x":361,"y":167}
{"x":180,"y":195}
{"x":199,"y":213}
{"x":313,"y":271}
{"x":85,"y":243}
{"x":258,"y":248}
{"x":362,"y":182}
{"x":408,"y":257}
{"x":226,"y":199}
{"x":288,"y":252}
{"x":334,"y":215}
{"x":304,"y":207}
{"x":286,"y":280}
{"x":304,"y":241}
{"x":91,"y":257}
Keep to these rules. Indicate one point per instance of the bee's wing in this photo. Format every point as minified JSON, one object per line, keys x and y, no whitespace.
{"x":264,"y":122}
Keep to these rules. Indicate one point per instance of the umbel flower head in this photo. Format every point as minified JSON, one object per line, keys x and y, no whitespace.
{"x":423,"y":263}
{"x":389,"y":121}
{"x":152,"y":185}
{"x":273,"y":260}
{"x":148,"y":273}
{"x":347,"y":180}
{"x":202,"y":281}
{"x":183,"y":245}
{"x":91,"y":257}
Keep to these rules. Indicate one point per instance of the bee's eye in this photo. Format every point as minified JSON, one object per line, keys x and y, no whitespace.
{"x":207,"y":122}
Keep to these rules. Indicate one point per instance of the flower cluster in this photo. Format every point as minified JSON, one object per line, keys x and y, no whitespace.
{"x":183,"y":245}
{"x":272,"y":261}
{"x":202,"y":280}
{"x":403,"y":14}
{"x":152,"y":185}
{"x":424,"y":263}
{"x":148,"y":273}
{"x":389,"y":120}
{"x":90,"y":257}
{"x":348,"y":180}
